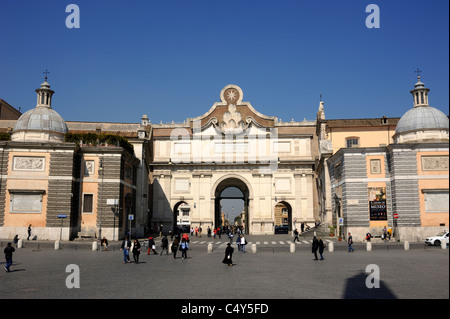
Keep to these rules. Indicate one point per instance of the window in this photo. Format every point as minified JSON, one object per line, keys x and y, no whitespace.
{"x":352,"y":142}
{"x":88,"y":203}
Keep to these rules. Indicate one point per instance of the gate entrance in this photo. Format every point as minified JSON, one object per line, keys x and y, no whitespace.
{"x":234,"y":193}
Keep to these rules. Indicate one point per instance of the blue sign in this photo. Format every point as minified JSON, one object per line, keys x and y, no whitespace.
{"x":62,"y":216}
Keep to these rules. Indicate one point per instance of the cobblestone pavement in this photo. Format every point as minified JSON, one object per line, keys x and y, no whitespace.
{"x":273,"y":272}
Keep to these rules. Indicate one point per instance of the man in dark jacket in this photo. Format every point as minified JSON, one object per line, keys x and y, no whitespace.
{"x":315,"y":246}
{"x":126,"y":245}
{"x":321,"y":247}
{"x":8,"y":256}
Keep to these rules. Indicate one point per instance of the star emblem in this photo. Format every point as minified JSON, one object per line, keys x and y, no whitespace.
{"x":231,"y":95}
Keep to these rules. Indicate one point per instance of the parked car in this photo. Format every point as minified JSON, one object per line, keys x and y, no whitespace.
{"x":281,"y":229}
{"x":438,"y":239}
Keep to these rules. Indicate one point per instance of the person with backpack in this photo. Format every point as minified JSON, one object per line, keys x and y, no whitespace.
{"x":184,"y":248}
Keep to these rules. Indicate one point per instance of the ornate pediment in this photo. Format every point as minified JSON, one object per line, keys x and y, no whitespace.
{"x":231,"y":115}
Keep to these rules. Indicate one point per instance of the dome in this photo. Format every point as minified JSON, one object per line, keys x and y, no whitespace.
{"x":422,"y":118}
{"x":41,"y":124}
{"x":41,"y":119}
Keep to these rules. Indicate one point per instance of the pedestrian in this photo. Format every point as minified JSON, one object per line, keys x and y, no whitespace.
{"x":16,"y":240}
{"x":228,"y":255}
{"x":175,"y":245}
{"x":200,"y":229}
{"x":29,"y":232}
{"x":136,"y":251}
{"x":209,"y":232}
{"x":184,"y":248}
{"x":368,"y":236}
{"x":350,"y":243}
{"x":321,"y":248}
{"x":165,"y":245}
{"x":104,"y":243}
{"x":238,"y":242}
{"x":315,"y":246}
{"x":296,"y":235}
{"x":389,"y":233}
{"x":230,"y":236}
{"x":302,"y":227}
{"x":151,"y":246}
{"x":243,"y":243}
{"x":8,"y":256}
{"x":126,"y":245}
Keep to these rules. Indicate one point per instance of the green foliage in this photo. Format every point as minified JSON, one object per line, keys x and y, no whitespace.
{"x":5,"y":137}
{"x":99,"y":139}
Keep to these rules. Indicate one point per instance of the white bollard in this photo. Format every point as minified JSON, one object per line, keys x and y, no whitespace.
{"x":210,"y":248}
{"x":253,"y":248}
{"x":444,"y":245}
{"x":94,"y":246}
{"x":330,"y":247}
{"x":20,"y":243}
{"x":57,"y":245}
{"x":406,"y":245}
{"x":369,"y":246}
{"x":292,"y":248}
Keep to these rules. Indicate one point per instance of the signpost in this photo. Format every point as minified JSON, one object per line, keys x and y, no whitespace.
{"x":62,"y":217}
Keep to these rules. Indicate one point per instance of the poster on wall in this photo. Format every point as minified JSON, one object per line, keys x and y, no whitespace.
{"x":377,"y":203}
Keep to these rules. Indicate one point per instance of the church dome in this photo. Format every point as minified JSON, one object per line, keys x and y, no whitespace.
{"x":422,"y":123}
{"x":41,"y":124}
{"x":41,"y":119}
{"x":421,"y":118}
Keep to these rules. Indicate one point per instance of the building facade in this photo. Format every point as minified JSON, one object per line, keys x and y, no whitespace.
{"x":233,"y":145}
{"x":60,"y":183}
{"x":403,"y":185}
{"x":72,"y":179}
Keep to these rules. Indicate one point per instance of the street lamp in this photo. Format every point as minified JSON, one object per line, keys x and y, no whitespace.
{"x":100,"y":170}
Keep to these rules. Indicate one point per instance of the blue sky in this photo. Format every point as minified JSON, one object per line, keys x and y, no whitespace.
{"x":170,"y":59}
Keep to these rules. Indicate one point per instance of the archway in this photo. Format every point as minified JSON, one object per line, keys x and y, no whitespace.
{"x":236,"y":190}
{"x":181,"y":217}
{"x":283,"y":218}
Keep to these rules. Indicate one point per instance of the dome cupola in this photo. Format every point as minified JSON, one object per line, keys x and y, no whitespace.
{"x":41,"y":124}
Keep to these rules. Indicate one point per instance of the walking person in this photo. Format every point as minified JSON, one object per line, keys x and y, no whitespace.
{"x":238,"y":242}
{"x":315,"y":246}
{"x":8,"y":256}
{"x":126,"y":245}
{"x":175,"y":245}
{"x":321,"y":248}
{"x":228,"y":255}
{"x":151,"y":246}
{"x":243,"y":243}
{"x":136,"y":251}
{"x":350,"y":243}
{"x":184,"y":248}
{"x":29,"y":232}
{"x":296,"y":235}
{"x":165,"y":245}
